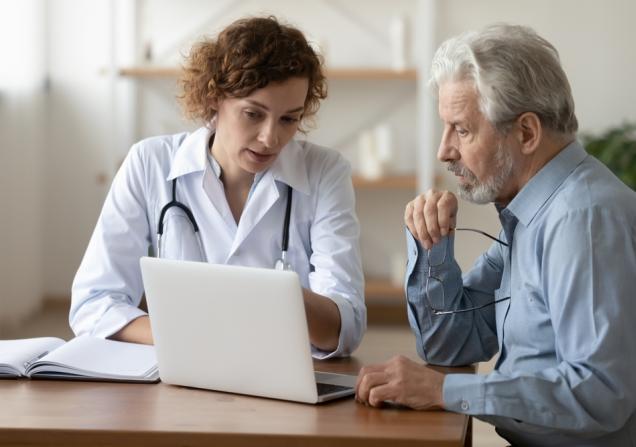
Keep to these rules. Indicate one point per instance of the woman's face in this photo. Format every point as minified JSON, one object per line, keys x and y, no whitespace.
{"x":251,"y":131}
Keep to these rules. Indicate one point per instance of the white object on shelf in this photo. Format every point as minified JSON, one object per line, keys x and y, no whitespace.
{"x":383,"y":144}
{"x":370,"y":166}
{"x":398,"y":39}
{"x":375,"y":151}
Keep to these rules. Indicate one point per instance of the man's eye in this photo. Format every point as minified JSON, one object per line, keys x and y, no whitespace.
{"x":461,"y":132}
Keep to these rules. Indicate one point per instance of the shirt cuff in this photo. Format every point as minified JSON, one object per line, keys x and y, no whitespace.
{"x":115,"y":318}
{"x":464,"y":393}
{"x":350,"y":331}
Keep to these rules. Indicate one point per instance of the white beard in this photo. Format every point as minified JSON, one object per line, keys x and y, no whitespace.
{"x":488,"y":191}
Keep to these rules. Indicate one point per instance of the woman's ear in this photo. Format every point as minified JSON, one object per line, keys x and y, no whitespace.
{"x":529,"y":132}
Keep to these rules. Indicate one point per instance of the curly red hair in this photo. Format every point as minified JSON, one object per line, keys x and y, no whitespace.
{"x":248,"y":55}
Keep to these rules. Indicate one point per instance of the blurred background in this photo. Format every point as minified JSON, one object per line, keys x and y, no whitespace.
{"x":81,"y":81}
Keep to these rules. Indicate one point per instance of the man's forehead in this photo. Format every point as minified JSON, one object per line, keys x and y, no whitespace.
{"x":458,"y":98}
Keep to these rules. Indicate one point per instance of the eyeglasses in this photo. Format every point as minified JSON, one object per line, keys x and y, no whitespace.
{"x":435,"y":298}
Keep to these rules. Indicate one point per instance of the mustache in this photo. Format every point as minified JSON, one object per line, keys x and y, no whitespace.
{"x":459,"y":170}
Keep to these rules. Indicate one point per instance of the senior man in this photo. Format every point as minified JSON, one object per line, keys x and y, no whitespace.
{"x":554,"y":294}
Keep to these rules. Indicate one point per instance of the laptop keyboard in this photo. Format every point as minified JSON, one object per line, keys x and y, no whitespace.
{"x":327,"y":388}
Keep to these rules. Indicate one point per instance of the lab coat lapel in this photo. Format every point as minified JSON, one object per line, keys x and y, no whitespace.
{"x":263,"y":198}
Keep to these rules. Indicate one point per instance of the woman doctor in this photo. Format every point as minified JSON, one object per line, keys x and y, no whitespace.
{"x":233,"y":180}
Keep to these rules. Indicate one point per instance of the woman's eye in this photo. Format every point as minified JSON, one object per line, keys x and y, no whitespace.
{"x":251,"y":114}
{"x":289,"y":119}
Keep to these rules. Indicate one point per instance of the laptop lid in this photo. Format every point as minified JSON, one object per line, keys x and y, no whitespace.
{"x":230,"y":328}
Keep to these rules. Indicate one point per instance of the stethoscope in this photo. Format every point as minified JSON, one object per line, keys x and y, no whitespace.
{"x":280,"y":264}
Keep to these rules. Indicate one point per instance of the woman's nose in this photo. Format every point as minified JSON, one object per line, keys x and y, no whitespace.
{"x":268,"y":135}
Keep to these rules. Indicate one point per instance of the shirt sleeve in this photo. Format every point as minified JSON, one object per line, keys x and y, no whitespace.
{"x":107,"y":287}
{"x":588,"y":265}
{"x":337,"y":268}
{"x":455,"y":339}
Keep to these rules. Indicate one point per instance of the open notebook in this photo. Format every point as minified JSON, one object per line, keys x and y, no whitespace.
{"x":82,"y":358}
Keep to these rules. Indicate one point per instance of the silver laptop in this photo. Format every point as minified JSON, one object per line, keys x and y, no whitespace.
{"x":235,"y":329}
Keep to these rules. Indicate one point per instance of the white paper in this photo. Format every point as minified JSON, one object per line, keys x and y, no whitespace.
{"x":99,"y":358}
{"x":16,"y":353}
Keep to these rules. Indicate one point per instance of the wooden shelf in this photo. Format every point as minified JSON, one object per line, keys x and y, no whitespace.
{"x":156,"y":72}
{"x":149,"y":72}
{"x":385,"y":302}
{"x":386,"y":182}
{"x":371,"y":73}
{"x":381,"y":289}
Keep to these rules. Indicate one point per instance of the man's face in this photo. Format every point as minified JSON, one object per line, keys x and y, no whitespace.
{"x":471,"y":147}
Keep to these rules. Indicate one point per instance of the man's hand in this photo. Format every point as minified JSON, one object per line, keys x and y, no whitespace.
{"x":401,"y":381}
{"x":431,"y":216}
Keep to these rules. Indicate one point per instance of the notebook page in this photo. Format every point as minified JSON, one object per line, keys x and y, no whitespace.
{"x":17,"y":352}
{"x":98,"y":357}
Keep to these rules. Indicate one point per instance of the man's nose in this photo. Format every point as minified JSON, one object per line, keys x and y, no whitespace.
{"x":447,"y":150}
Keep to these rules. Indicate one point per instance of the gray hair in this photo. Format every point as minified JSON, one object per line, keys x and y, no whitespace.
{"x":514,"y":70}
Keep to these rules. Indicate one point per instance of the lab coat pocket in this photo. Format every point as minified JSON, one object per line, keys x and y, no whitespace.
{"x":179,"y":239}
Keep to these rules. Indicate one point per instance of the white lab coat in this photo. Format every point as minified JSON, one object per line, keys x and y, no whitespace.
{"x":323,"y":239}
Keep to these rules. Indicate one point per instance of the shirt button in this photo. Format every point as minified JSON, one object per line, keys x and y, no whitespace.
{"x":464,"y":405}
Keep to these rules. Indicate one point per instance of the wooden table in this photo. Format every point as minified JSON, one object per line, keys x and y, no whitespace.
{"x":103,"y":414}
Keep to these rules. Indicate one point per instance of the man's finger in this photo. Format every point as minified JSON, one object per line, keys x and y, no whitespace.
{"x":420,"y":223}
{"x":408,"y":219}
{"x":369,"y":382}
{"x":367,"y":370}
{"x":430,"y":214}
{"x":381,"y":393}
{"x":447,"y":212}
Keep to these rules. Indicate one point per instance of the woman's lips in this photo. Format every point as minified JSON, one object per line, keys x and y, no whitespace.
{"x":258,"y":157}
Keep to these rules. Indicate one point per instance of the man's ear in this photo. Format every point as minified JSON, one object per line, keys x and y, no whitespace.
{"x":529,"y":132}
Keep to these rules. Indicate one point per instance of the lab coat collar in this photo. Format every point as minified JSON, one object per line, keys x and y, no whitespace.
{"x":191,"y":156}
{"x":289,"y":168}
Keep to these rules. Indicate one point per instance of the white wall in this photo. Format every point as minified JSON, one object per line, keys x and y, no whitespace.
{"x":21,"y":140}
{"x":80,"y":144}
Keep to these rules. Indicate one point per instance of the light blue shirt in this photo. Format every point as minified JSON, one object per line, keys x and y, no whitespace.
{"x":566,"y":374}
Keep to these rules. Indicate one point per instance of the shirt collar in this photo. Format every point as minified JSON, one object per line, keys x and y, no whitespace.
{"x":544,"y":183}
{"x":290,"y":166}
